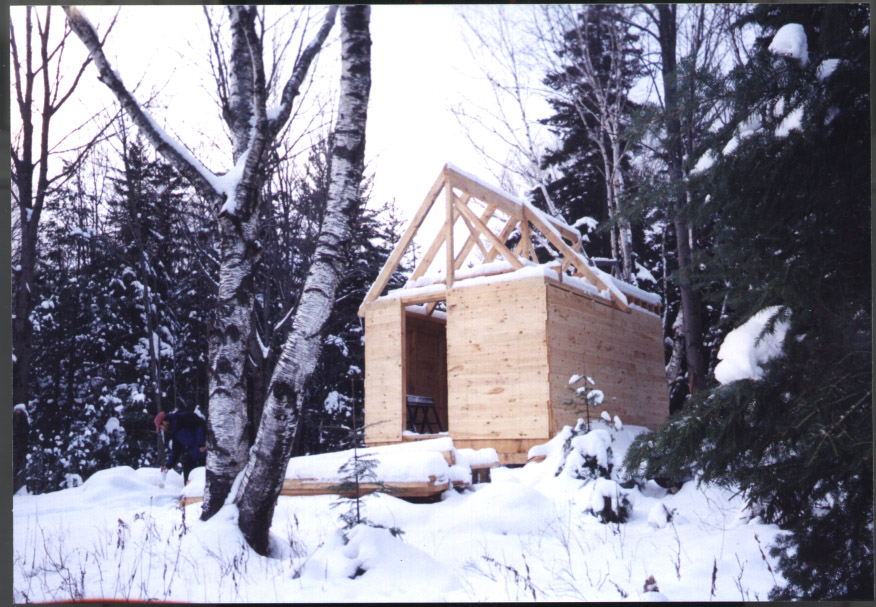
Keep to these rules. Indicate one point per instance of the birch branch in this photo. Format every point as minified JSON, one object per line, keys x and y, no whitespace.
{"x":302,"y":66}
{"x":176,"y":154}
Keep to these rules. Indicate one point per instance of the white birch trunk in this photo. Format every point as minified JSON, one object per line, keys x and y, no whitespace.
{"x":625,"y":234}
{"x":252,"y":136}
{"x":263,"y":477}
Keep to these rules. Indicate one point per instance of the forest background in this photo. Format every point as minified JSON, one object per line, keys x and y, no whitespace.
{"x":715,"y":155}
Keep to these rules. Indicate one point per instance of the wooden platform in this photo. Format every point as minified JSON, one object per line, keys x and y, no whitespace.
{"x":403,"y":490}
{"x":302,"y":481}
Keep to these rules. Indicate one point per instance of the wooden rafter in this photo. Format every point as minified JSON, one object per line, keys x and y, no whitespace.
{"x":525,"y":241}
{"x":473,"y":231}
{"x":511,"y":207}
{"x":448,"y":228}
{"x":510,"y":226}
{"x":472,"y":237}
{"x":402,"y":246}
{"x":565,"y":239}
{"x":498,"y":244}
{"x":580,"y":263}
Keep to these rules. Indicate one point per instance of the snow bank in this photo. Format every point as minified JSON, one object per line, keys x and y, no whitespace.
{"x":530,"y":535}
{"x":790,"y":41}
{"x":370,"y":564}
{"x":746,"y":348}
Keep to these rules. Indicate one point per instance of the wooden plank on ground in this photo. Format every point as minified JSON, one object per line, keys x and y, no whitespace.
{"x":305,"y":487}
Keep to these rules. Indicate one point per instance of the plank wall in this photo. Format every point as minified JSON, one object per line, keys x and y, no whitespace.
{"x":621,"y":351}
{"x":384,"y":371}
{"x":497,"y":363}
{"x":427,"y":361}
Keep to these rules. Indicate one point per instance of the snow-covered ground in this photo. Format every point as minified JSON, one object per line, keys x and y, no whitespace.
{"x":528,"y":535}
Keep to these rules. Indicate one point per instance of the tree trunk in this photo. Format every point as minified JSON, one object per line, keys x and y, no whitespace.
{"x":30,"y":196}
{"x":690,"y":299}
{"x":625,"y":235}
{"x":236,"y":202}
{"x":263,"y":478}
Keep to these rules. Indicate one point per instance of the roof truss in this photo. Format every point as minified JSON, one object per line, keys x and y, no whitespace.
{"x":460,"y":191}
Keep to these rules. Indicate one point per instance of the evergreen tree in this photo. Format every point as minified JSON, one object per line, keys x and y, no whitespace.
{"x":598,"y":62}
{"x":789,"y":189}
{"x":110,"y":238}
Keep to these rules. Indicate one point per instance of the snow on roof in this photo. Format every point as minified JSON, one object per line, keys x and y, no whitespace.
{"x":498,"y":271}
{"x":790,"y":41}
{"x":501,"y":270}
{"x":550,"y":220}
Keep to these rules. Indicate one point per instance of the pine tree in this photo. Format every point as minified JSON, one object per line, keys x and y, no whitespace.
{"x":92,"y":389}
{"x":598,"y":61}
{"x":790,"y":191}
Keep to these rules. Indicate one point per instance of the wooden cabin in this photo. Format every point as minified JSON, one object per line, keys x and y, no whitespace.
{"x":482,"y":348}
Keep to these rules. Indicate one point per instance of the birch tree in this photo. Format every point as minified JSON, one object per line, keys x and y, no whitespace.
{"x":498,"y":44}
{"x":235,"y":198}
{"x":263,"y":478}
{"x":595,"y":83}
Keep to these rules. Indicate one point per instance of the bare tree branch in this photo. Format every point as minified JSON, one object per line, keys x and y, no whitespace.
{"x":302,"y":66}
{"x":177,"y":155}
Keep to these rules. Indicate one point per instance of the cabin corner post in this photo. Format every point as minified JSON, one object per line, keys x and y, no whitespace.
{"x":448,"y":226}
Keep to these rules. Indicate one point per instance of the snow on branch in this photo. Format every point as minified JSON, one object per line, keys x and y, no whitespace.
{"x":175,"y":153}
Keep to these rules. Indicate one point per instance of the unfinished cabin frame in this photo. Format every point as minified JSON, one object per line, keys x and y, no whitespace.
{"x":492,"y":368}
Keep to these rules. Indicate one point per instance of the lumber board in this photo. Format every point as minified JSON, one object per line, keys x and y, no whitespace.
{"x":402,"y":246}
{"x":448,"y":228}
{"x":525,"y":235}
{"x":431,"y":253}
{"x":306,"y":487}
{"x":570,"y":254}
{"x":509,"y":206}
{"x":489,"y":211}
{"x":504,"y":234}
{"x":497,"y":361}
{"x":622,"y":352}
{"x":385,"y":370}
{"x":473,"y":232}
{"x":429,"y":257}
{"x":498,"y":245}
{"x":423,"y":298}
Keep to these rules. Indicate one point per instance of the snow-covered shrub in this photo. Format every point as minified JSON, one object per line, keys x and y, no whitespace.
{"x":660,"y":515}
{"x":590,"y":455}
{"x":587,"y":456}
{"x":607,"y":501}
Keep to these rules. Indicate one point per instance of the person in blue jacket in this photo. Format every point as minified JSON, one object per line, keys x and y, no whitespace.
{"x":188,"y":439}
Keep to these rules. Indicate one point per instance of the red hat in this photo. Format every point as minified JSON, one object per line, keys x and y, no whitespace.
{"x":158,"y":419}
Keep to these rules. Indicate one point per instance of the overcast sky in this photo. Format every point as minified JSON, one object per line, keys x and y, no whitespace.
{"x":421,"y":67}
